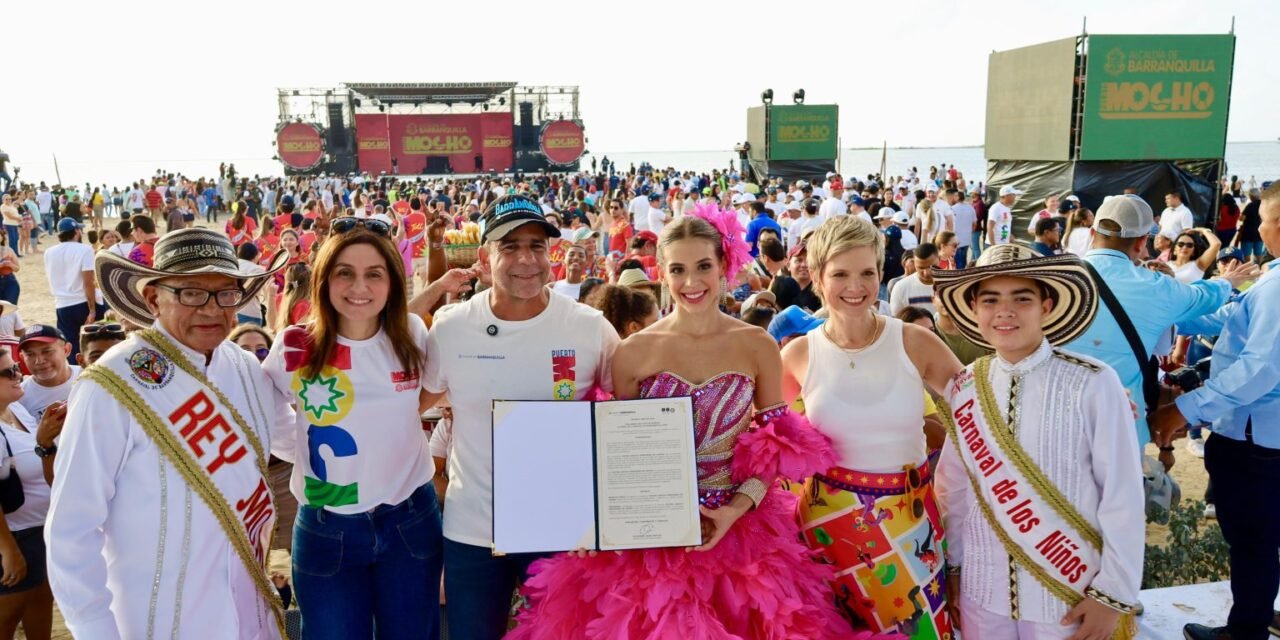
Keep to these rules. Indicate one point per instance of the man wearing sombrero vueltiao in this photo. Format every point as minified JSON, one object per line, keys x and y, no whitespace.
{"x":1038,"y":480}
{"x":161,"y":513}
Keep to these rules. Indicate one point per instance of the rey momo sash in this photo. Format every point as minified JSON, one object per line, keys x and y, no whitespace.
{"x":1039,"y":528}
{"x":205,"y":438}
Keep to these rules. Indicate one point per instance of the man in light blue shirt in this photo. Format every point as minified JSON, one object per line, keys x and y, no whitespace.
{"x":1241,"y":399}
{"x":1153,"y":302}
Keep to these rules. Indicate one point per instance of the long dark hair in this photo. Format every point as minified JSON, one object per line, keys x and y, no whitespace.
{"x":323,"y":329}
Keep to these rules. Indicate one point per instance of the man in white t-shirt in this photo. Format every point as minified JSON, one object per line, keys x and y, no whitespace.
{"x":1176,"y":217}
{"x":45,"y":350}
{"x":903,"y":222}
{"x":834,"y":204}
{"x":658,"y":219}
{"x":575,"y":262}
{"x":964,"y":219}
{"x":809,"y":221}
{"x":69,"y":268}
{"x":1050,"y":210}
{"x":916,"y":290}
{"x":858,"y":207}
{"x":136,"y":200}
{"x":516,"y":340}
{"x":1000,"y":217}
{"x":940,"y":217}
{"x":638,"y":207}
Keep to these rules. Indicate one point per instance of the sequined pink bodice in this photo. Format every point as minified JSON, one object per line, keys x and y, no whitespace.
{"x":722,"y":410}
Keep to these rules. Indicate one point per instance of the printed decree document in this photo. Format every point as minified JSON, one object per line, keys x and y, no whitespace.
{"x":603,"y":476}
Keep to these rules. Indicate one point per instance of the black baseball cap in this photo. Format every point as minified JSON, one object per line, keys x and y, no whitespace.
{"x":512,"y":211}
{"x":41,"y":333}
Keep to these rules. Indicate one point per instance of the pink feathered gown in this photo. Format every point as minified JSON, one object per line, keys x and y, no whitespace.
{"x":759,"y":583}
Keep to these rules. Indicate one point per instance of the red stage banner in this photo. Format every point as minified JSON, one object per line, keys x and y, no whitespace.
{"x":413,"y":140}
{"x":300,"y":145}
{"x":562,"y":141}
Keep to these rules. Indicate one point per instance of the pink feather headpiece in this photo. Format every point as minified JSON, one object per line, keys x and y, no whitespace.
{"x":737,"y":254}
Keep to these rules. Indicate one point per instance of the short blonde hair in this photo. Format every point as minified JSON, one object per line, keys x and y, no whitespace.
{"x":838,"y":235}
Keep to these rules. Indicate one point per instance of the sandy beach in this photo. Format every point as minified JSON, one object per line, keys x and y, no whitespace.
{"x":36,"y":305}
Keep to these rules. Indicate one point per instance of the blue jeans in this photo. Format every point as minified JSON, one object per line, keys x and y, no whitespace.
{"x":480,"y":586}
{"x":9,"y":289}
{"x":962,"y":257}
{"x":369,"y":575}
{"x":13,"y":230}
{"x":70,"y":319}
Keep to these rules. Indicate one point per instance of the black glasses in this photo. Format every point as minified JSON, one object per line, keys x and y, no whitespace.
{"x":104,"y":329}
{"x":1185,"y":245}
{"x":343,"y":225}
{"x":12,"y":373}
{"x":193,"y":297}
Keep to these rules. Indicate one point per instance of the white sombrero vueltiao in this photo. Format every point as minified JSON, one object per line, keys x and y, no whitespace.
{"x":180,"y":253}
{"x":1067,"y":278}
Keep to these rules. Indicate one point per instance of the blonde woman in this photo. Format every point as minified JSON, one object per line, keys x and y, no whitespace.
{"x":862,"y":377}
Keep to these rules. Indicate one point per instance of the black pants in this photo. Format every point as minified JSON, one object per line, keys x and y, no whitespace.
{"x":1245,"y":477}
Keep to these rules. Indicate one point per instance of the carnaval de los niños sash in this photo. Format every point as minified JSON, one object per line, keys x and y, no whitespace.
{"x":204,"y":437}
{"x":1039,"y":528}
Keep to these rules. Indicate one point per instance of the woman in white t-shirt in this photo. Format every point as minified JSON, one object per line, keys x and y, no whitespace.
{"x":24,"y":585}
{"x":367,"y":539}
{"x":1192,"y":257}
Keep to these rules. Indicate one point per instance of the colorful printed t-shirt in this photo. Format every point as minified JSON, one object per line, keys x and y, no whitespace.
{"x":359,"y":441}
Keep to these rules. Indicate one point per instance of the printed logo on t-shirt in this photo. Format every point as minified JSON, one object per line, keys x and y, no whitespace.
{"x":563,"y":362}
{"x":405,"y":380}
{"x":324,"y":399}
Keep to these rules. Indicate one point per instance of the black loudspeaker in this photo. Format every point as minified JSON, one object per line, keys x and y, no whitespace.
{"x":528,"y":134}
{"x":337,"y":127}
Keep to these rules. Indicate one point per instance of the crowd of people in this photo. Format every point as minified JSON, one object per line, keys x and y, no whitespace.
{"x":914,"y":415}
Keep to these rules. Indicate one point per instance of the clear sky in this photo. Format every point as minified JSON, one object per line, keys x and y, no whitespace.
{"x":170,"y":81}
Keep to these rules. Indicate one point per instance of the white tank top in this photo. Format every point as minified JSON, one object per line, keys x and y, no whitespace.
{"x":874,"y":412}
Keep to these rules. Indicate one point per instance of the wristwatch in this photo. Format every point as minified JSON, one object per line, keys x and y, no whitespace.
{"x":45,"y":453}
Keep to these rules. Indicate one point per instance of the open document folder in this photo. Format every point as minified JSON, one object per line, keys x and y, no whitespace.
{"x":594,"y":475}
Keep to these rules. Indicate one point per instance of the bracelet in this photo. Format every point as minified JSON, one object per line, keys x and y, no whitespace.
{"x":753,"y":488}
{"x":1110,"y":602}
{"x":953,"y":569}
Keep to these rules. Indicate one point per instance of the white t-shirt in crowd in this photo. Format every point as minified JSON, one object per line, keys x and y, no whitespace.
{"x":137,"y":199}
{"x":965,"y":216}
{"x":1079,"y":240}
{"x":910,"y":292}
{"x":359,"y":441}
{"x":35,"y":504}
{"x":1002,"y":216}
{"x":1187,"y":273}
{"x":252,"y":308}
{"x":65,"y":264}
{"x":800,"y":227}
{"x":558,"y":355}
{"x":562,"y":287}
{"x":909,"y":239}
{"x":1035,"y":218}
{"x":832,"y":207}
{"x":123,"y":248}
{"x":11,"y":323}
{"x":44,"y":200}
{"x":639,"y":210}
{"x":657,"y":219}
{"x":37,"y":397}
{"x":1175,"y":221}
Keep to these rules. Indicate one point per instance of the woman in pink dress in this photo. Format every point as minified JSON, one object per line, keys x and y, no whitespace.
{"x":751,"y":579}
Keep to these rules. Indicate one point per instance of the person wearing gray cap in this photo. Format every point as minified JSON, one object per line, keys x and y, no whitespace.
{"x":1140,"y":304}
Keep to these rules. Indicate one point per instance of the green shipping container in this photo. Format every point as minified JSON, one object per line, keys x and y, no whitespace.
{"x":1157,"y":97}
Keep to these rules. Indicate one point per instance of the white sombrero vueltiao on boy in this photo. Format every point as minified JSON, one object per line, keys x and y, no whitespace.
{"x":1039,"y":482}
{"x":161,"y":514}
